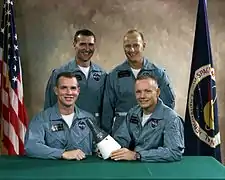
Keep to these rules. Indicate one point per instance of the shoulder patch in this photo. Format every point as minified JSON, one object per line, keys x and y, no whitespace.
{"x":81,"y":125}
{"x":147,"y":73}
{"x":96,"y":76}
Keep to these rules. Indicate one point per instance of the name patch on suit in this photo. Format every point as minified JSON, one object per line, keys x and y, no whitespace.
{"x":134,"y":119}
{"x":57,"y":127}
{"x":124,"y":73}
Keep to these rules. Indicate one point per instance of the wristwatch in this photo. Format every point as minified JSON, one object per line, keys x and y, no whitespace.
{"x":138,"y":156}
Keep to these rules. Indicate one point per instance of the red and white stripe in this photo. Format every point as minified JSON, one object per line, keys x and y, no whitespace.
{"x":13,"y":113}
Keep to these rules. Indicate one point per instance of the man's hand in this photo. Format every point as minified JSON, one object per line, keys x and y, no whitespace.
{"x":73,"y":154}
{"x":123,"y":154}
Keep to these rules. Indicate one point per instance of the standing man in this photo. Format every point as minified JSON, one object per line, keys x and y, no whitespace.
{"x":119,"y":93}
{"x":90,"y":76}
{"x":151,"y":131}
{"x":61,"y":131}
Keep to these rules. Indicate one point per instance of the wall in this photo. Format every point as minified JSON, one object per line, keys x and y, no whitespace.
{"x":46,"y":28}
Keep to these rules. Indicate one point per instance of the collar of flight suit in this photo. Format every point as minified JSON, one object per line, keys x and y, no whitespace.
{"x":73,"y":66}
{"x":157,"y":113}
{"x":147,"y":65}
{"x":55,"y":114}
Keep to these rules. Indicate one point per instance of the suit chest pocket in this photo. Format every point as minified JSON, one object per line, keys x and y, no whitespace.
{"x":135,"y":130}
{"x":153,"y":133}
{"x":55,"y":139}
{"x":125,"y":86}
{"x":96,"y":85}
{"x":79,"y":133}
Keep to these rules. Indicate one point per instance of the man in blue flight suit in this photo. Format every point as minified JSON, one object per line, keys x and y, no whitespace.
{"x":151,"y":131}
{"x":60,"y":131}
{"x":119,"y":94}
{"x":90,"y":76}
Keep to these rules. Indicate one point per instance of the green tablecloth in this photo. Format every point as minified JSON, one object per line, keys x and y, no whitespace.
{"x":16,"y":167}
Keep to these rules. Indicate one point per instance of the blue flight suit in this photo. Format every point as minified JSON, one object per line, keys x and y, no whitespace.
{"x":119,"y":96}
{"x":48,"y":135}
{"x":91,"y":90}
{"x":161,"y":139}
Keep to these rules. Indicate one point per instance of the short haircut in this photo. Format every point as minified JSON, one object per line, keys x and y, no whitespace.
{"x":131,"y":31}
{"x":65,"y":74}
{"x":147,"y":76}
{"x":84,"y":32}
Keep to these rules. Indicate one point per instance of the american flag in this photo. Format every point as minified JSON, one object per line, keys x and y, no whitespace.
{"x":12,"y":110}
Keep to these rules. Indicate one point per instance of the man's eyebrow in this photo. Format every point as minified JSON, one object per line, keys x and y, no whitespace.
{"x":69,"y":86}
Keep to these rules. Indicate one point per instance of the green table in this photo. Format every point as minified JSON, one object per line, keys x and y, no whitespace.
{"x":17,"y":167}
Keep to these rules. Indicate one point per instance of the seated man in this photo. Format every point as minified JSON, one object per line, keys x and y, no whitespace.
{"x":152,"y":131}
{"x":61,"y":130}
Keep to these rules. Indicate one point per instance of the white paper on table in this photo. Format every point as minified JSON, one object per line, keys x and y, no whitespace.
{"x":108,"y":145}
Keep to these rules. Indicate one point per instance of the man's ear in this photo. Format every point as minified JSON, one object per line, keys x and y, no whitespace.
{"x":144,"y":45}
{"x":79,"y":90}
{"x":55,"y":90}
{"x":158,"y":92}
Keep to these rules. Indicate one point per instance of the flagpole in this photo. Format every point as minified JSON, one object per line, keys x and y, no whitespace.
{"x":1,"y":137}
{"x":1,"y":120}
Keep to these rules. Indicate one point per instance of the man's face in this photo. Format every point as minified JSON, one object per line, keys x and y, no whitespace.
{"x":147,"y":93}
{"x":84,"y":47}
{"x":67,"y":91}
{"x":133,"y":46}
